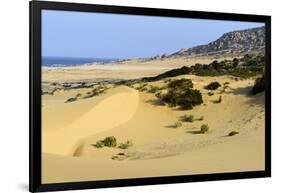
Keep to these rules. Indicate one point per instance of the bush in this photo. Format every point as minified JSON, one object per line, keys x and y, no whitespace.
{"x":153,"y":89}
{"x":201,"y":118}
{"x":189,"y":98}
{"x":204,"y":128}
{"x":210,"y":93}
{"x":259,"y":85}
{"x":180,"y":84}
{"x":180,"y":93}
{"x":178,"y":124}
{"x":99,"y":144}
{"x":213,"y":86}
{"x":126,"y":145}
{"x":189,"y":118}
{"x":108,"y":142}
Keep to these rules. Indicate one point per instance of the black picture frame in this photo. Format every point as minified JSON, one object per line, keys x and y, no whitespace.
{"x":35,"y":184}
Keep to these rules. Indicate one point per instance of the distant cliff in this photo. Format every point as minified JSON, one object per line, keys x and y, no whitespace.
{"x":231,"y":43}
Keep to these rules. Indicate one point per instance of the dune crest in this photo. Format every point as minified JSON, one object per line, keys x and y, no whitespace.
{"x":112,"y":109}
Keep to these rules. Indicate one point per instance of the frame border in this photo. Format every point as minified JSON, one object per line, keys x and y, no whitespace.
{"x":35,"y":184}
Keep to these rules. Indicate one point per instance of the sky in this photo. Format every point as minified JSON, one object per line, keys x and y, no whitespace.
{"x":119,"y":36}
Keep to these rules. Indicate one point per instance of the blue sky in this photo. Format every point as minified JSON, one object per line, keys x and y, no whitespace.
{"x":99,"y":35}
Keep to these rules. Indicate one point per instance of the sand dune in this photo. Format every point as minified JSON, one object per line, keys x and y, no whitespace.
{"x":159,"y":148}
{"x":106,"y":112}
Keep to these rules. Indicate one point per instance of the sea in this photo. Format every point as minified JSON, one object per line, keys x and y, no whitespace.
{"x":51,"y":61}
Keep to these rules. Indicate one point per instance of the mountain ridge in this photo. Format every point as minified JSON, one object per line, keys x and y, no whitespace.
{"x":237,"y":42}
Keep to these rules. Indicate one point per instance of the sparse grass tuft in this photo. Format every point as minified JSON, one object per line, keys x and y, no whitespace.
{"x":99,"y":144}
{"x":189,"y":118}
{"x":126,"y":145}
{"x":177,"y":124}
{"x":204,"y":128}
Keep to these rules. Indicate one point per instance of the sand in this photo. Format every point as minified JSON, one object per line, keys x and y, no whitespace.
{"x":119,"y":70}
{"x":159,"y":149}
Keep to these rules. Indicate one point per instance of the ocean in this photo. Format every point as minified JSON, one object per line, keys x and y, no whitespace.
{"x":71,"y":61}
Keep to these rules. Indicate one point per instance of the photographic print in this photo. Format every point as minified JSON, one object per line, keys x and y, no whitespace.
{"x":137,"y":96}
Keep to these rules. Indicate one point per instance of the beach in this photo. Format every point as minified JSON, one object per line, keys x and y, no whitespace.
{"x":74,"y":119}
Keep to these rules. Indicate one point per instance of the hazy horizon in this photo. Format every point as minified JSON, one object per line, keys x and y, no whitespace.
{"x":103,"y":35}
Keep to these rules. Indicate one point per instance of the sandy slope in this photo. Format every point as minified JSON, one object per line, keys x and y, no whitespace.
{"x":159,"y":148}
{"x":98,"y":117}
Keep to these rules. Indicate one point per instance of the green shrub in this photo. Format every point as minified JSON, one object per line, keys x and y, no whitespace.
{"x":180,"y":93}
{"x":189,"y":118}
{"x":189,"y":98}
{"x":204,"y":128}
{"x":210,"y":93}
{"x":99,"y":144}
{"x":213,"y":86}
{"x":126,"y":145}
{"x":180,"y":84}
{"x":153,"y":89}
{"x":178,"y":124}
{"x":201,"y":118}
{"x":110,"y":141}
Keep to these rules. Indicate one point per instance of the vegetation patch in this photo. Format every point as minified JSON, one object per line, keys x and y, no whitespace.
{"x":106,"y":142}
{"x":177,"y":124}
{"x":154,"y":89}
{"x":126,"y":145}
{"x":95,"y":92}
{"x":245,"y":67}
{"x":259,"y":85}
{"x":189,"y":118}
{"x":213,"y":86}
{"x":181,"y":93}
{"x":204,"y":128}
{"x":111,"y":141}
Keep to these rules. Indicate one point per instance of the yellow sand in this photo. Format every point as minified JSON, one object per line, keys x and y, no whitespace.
{"x":120,"y":70}
{"x":71,"y":129}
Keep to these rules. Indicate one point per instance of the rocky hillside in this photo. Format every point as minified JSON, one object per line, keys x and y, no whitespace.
{"x":231,"y":43}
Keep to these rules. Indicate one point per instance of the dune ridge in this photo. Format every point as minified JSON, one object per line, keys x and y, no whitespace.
{"x":123,"y":101}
